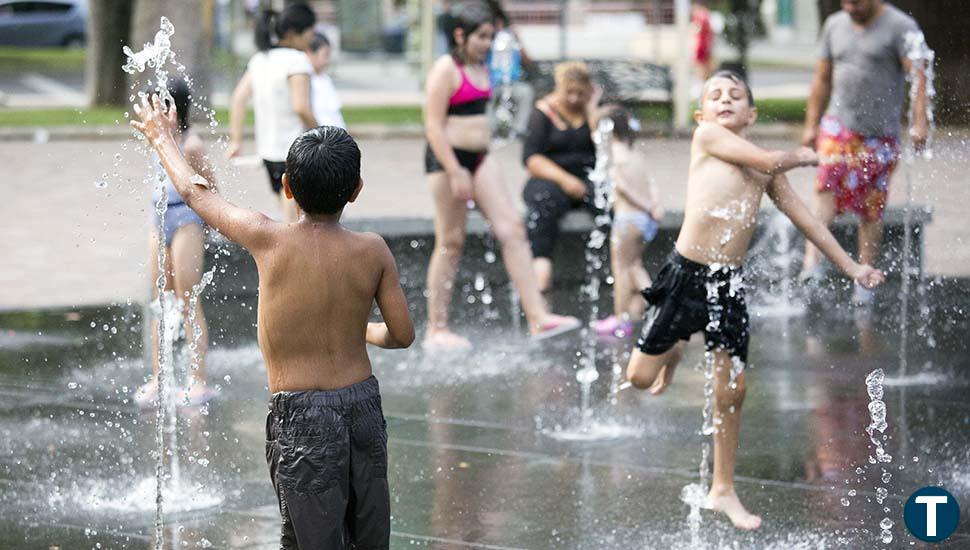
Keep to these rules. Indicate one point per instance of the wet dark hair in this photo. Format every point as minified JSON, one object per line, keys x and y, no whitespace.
{"x":181,"y":98}
{"x":625,"y":125}
{"x":319,"y":41}
{"x":467,"y":16}
{"x":730,"y":75}
{"x":296,"y":17}
{"x":323,"y":169}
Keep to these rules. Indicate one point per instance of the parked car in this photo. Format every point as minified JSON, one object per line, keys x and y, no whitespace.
{"x":46,"y":23}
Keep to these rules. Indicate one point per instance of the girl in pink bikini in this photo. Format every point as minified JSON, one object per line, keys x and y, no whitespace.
{"x":460,"y":170}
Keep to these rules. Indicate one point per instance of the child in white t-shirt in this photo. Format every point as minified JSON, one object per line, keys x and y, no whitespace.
{"x":325,"y":101}
{"x":277,"y":79}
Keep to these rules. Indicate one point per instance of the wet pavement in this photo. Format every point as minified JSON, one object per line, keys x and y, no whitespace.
{"x":473,"y":458}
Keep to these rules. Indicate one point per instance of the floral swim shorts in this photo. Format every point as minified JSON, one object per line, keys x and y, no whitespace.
{"x":855,"y":168}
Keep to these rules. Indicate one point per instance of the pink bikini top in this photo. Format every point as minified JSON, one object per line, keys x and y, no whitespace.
{"x":468,"y":99}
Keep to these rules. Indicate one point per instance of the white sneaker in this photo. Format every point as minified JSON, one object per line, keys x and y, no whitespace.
{"x":861,"y":296}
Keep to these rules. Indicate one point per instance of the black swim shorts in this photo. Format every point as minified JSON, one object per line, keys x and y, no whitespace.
{"x":689,"y":297}
{"x":275,"y":172}
{"x":327,"y":457}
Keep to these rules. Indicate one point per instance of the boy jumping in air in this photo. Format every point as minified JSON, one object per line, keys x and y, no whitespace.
{"x":701,"y":287}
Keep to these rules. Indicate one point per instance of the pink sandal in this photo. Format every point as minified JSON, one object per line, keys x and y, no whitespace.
{"x":556,"y":325}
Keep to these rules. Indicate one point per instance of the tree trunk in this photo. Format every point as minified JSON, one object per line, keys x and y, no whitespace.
{"x":109,"y":26}
{"x":192,"y":41}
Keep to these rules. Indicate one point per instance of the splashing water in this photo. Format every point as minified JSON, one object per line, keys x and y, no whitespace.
{"x":505,"y":48}
{"x":158,"y":56}
{"x":155,"y":55}
{"x":921,"y":58}
{"x":878,"y":423}
{"x":777,"y":254}
{"x":599,"y":177}
{"x":587,"y":374}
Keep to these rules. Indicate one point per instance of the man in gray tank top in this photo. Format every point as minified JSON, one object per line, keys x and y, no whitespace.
{"x":854,"y":116}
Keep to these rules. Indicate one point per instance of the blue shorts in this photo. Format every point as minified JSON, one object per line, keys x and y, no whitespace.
{"x":176,"y":216}
{"x":641,"y":220}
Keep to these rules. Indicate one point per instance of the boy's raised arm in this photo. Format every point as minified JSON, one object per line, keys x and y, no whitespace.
{"x":397,"y":330}
{"x":789,"y":204}
{"x":724,"y":144}
{"x":246,"y":227}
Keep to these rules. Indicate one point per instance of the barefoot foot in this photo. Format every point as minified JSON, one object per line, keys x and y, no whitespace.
{"x":445,"y":340}
{"x":664,"y":378}
{"x":726,"y":501}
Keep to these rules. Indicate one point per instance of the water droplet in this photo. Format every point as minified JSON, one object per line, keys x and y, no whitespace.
{"x":72,"y":385}
{"x":845,"y":501}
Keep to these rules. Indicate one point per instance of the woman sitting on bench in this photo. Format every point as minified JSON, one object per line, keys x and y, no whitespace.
{"x":558,"y":153}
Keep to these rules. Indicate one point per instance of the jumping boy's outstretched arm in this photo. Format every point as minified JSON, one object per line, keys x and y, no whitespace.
{"x":397,"y":330}
{"x":724,"y":144}
{"x":789,"y":204}
{"x":246,"y":227}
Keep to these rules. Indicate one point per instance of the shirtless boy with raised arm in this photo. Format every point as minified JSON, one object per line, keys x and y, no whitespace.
{"x":701,"y":287}
{"x":326,"y":439}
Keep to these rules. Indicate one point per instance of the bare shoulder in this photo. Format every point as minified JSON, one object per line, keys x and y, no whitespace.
{"x":706,"y":131}
{"x":371,"y":246}
{"x":444,"y":65}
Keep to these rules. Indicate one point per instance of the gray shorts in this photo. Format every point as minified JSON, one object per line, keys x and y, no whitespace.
{"x":327,"y":457}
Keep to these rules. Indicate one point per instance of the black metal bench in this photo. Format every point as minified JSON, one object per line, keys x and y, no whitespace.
{"x":635,"y":84}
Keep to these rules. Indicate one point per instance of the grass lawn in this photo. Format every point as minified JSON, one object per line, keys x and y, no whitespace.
{"x":770,"y":110}
{"x":106,"y":116}
{"x":14,"y":59}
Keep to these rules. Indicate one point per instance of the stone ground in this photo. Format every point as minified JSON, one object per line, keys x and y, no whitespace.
{"x":473,"y":463}
{"x":69,"y":243}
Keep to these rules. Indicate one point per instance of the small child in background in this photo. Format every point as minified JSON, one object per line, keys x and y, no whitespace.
{"x":323,"y":95}
{"x":636,"y":213}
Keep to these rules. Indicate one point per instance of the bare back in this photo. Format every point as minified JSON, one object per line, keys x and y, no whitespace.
{"x":722,"y":206}
{"x":317,"y":286}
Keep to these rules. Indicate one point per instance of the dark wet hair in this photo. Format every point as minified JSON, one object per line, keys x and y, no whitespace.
{"x":467,"y":16}
{"x":730,"y":75}
{"x":323,"y":167}
{"x":182,"y":97}
{"x":296,"y":17}
{"x":178,"y":89}
{"x":319,"y":41}
{"x":625,"y":125}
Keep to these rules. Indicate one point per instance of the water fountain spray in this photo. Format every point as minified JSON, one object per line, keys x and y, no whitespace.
{"x":921,"y":59}
{"x":600,"y":179}
{"x":157,"y":55}
{"x":505,"y":48}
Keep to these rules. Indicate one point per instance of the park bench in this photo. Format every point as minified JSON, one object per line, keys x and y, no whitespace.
{"x":634,"y":84}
